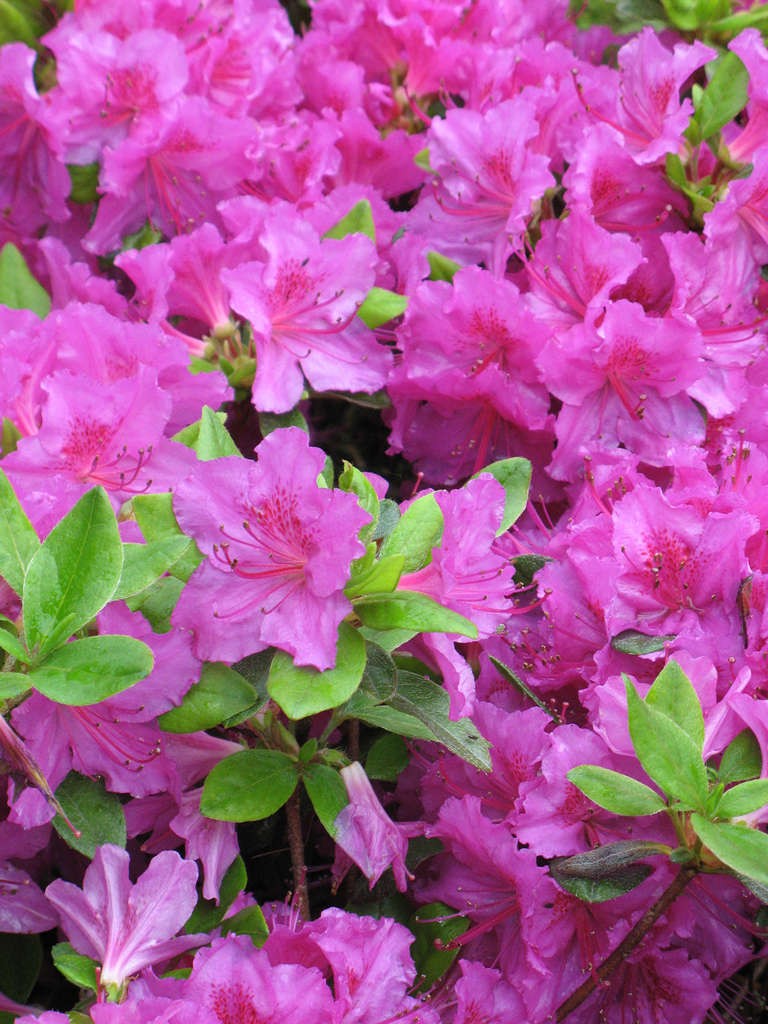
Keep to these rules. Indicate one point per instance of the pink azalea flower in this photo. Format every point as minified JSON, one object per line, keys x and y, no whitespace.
{"x":279,"y":549}
{"x":125,"y":926}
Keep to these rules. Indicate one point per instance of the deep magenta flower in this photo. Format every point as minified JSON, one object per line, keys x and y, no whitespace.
{"x":126,"y":926}
{"x":279,"y":549}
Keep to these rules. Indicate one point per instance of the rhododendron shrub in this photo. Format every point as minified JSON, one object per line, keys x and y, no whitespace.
{"x":383,"y":542}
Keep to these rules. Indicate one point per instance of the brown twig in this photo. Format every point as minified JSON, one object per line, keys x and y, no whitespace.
{"x":296,"y":846}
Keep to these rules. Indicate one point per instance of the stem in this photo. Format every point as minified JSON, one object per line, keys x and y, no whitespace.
{"x":632,"y":939}
{"x":296,"y":846}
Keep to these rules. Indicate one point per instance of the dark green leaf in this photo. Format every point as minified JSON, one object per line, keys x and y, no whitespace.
{"x":380,"y":306}
{"x":144,"y":563}
{"x":303,"y":691}
{"x":359,"y":221}
{"x":21,"y":957}
{"x":743,"y":849}
{"x":526,"y":567}
{"x":598,"y":890}
{"x":408,"y":609}
{"x":617,"y":793}
{"x":18,"y":288}
{"x":434,"y":926}
{"x":249,"y":786}
{"x":514,"y":475}
{"x":208,"y":914}
{"x":328,"y":794}
{"x":630,"y":641}
{"x":743,"y":799}
{"x":510,"y":676}
{"x":220,"y":694}
{"x":381,"y":716}
{"x":269,"y":421}
{"x":18,"y":540}
{"x":742,"y":759}
{"x":75,"y":967}
{"x":157,"y":602}
{"x":605,"y":860}
{"x":389,"y":515}
{"x":387,"y":758}
{"x":84,"y":179}
{"x":96,"y":814}
{"x":248,"y":921}
{"x":669,"y":755}
{"x":417,"y":531}
{"x":379,"y":678}
{"x":429,"y":703}
{"x":88,"y":671}
{"x":74,"y":572}
{"x":673,"y":695}
{"x":724,"y":97}
{"x":388,"y":639}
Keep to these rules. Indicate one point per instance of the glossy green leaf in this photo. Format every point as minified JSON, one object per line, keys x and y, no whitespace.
{"x":380,"y":306}
{"x":208,"y":913}
{"x":424,"y":700}
{"x":220,"y":694}
{"x":96,"y":814}
{"x":18,"y":288}
{"x":631,"y":641}
{"x":75,"y":967}
{"x":156,"y":519}
{"x":441,"y":268}
{"x":743,"y":849}
{"x":514,"y":475}
{"x":144,"y":563}
{"x":302,"y":691}
{"x":387,"y":758}
{"x":742,"y":759}
{"x":382,"y":577}
{"x":354,"y":482}
{"x":249,"y":921}
{"x":669,"y":756}
{"x":74,"y":573}
{"x":724,"y":97}
{"x":359,"y":221}
{"x":408,"y":609}
{"x":617,"y":793}
{"x":672,"y":694}
{"x":249,"y":786}
{"x":88,"y":671}
{"x":18,"y":540}
{"x":416,"y":533}
{"x":327,"y":792}
{"x":743,"y":799}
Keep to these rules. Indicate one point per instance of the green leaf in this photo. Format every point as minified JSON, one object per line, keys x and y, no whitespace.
{"x":9,"y":437}
{"x":18,"y":288}
{"x":157,"y":602}
{"x":724,"y":97}
{"x":156,"y":519}
{"x":214,"y":441}
{"x":743,"y":799}
{"x":742,"y":759}
{"x":605,"y":860}
{"x":408,"y":609}
{"x":617,"y":793}
{"x":382,"y":577}
{"x":434,"y":926}
{"x":429,"y":703}
{"x":506,"y":673}
{"x":269,"y":421}
{"x":631,"y":641}
{"x":144,"y":563}
{"x":327,"y":792}
{"x":249,"y":786}
{"x":303,"y":691}
{"x":389,"y":516}
{"x":13,"y":684}
{"x":743,"y":849}
{"x":10,"y":643}
{"x":208,"y":914}
{"x":359,"y":221}
{"x":21,"y":957}
{"x":381,"y":716}
{"x":598,"y":890}
{"x":84,"y":179}
{"x":18,"y":540}
{"x":669,"y":755}
{"x":673,"y":695}
{"x":514,"y":475}
{"x":387,"y":758}
{"x":220,"y":694}
{"x":441,"y":268}
{"x":354,"y":482}
{"x":75,"y":967}
{"x":416,"y":532}
{"x":74,"y":572}
{"x":380,"y":306}
{"x":96,"y":814}
{"x":249,"y":921}
{"x":388,"y":639}
{"x":422,"y":160}
{"x":88,"y":671}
